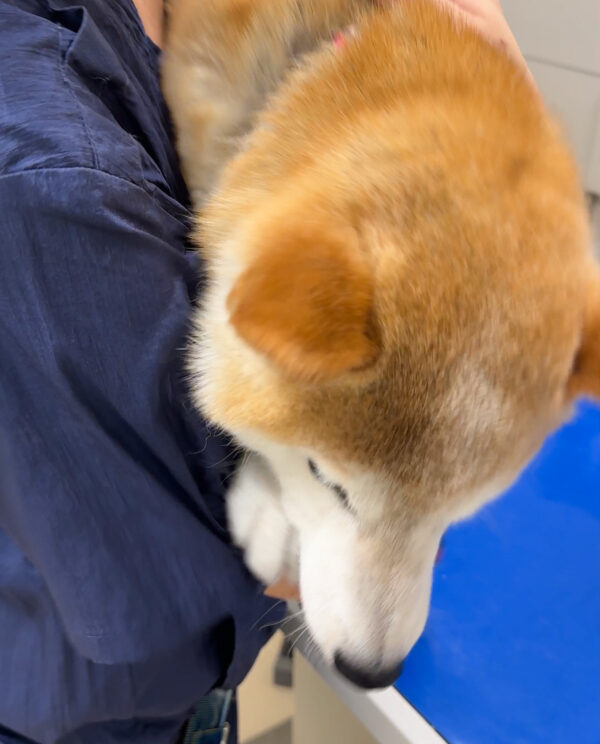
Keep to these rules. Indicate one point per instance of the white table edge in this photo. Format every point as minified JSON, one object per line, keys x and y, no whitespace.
{"x":386,"y":714}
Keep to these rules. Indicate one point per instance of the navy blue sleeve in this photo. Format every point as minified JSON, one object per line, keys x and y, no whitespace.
{"x":106,"y":474}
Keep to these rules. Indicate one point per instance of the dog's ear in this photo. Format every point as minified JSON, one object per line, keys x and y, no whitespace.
{"x":585,"y":379}
{"x":306,"y":302}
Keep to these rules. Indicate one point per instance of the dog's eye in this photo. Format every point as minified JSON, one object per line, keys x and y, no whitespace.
{"x":339,"y":491}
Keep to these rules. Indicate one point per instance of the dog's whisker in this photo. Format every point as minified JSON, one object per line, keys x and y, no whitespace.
{"x":311,"y":646}
{"x":298,"y":632}
{"x":280,"y":623}
{"x":292,"y":633}
{"x":270,"y":625}
{"x":270,"y":609}
{"x":295,"y":643}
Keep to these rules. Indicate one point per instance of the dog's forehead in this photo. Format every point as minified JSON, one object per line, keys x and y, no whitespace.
{"x":448,"y":421}
{"x":395,"y":421}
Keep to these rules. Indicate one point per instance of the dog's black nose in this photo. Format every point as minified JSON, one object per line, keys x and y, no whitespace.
{"x":369,"y":678}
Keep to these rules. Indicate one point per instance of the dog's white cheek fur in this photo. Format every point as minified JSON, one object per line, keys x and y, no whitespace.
{"x":258,"y":524}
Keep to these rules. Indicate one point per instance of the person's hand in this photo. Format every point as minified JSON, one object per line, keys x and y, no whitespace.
{"x":486,"y":16}
{"x":283,"y":589}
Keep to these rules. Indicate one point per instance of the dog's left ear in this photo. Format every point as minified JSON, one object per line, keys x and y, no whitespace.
{"x":306,"y":302}
{"x":585,"y":379}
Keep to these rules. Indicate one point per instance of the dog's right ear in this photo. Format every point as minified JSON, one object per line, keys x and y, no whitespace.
{"x":585,"y":380}
{"x":306,"y":302}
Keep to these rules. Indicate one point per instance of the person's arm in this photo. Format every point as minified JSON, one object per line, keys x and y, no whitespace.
{"x":152,"y":14}
{"x":97,"y":476}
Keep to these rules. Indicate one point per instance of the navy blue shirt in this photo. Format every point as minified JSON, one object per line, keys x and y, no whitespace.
{"x":121,"y":600}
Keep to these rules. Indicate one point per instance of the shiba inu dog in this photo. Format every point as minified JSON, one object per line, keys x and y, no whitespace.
{"x":402,"y":300}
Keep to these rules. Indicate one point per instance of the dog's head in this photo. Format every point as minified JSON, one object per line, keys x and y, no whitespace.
{"x":403,"y":303}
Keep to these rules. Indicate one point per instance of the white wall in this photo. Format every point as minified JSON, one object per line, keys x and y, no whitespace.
{"x":561,"y":40}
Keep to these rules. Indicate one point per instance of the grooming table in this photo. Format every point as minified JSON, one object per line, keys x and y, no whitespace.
{"x":511,"y":651}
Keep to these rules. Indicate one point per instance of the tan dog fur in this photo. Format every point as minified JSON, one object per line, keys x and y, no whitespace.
{"x":401,"y":283}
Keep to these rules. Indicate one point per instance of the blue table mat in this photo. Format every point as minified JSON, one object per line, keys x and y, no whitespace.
{"x":511,"y":651}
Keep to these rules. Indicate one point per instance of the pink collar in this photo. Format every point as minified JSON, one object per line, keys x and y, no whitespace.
{"x":340,"y":38}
